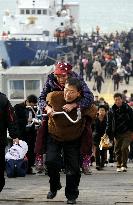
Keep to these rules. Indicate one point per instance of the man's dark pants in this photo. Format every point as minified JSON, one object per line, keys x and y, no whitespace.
{"x":71,"y":151}
{"x":122,"y":143}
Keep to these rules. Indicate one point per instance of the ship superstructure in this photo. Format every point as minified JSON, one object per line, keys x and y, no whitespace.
{"x":39,"y":32}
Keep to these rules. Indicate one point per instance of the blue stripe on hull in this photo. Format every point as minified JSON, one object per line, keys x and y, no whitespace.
{"x":28,"y":53}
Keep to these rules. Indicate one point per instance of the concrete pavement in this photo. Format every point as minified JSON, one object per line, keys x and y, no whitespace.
{"x":106,"y":187}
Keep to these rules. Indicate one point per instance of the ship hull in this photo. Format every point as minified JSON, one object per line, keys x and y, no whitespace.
{"x":31,"y":53}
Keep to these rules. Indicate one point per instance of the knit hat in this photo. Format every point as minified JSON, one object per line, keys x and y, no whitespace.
{"x":62,"y":68}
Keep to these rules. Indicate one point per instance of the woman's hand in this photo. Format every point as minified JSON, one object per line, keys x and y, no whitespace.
{"x":16,"y":141}
{"x":50,"y":111}
{"x":69,"y":107}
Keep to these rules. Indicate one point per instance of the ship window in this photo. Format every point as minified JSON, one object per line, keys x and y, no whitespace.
{"x":44,"y":12}
{"x":32,"y":86}
{"x":27,"y":11}
{"x":20,"y":89}
{"x":22,"y":11}
{"x":33,"y":11}
{"x":46,"y":33}
{"x":16,"y":89}
{"x":39,"y":11}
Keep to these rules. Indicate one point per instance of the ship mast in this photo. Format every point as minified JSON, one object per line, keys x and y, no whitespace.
{"x":62,"y":2}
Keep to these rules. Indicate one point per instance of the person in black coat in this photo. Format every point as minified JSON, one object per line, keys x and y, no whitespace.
{"x":7,"y":121}
{"x":99,"y":80}
{"x":99,"y":131}
{"x":119,"y":126}
{"x":116,"y":79}
{"x":28,"y":134}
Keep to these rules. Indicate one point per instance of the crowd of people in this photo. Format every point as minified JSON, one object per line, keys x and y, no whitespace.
{"x":99,"y":57}
{"x":68,"y":146}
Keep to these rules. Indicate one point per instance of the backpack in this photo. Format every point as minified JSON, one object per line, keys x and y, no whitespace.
{"x":16,"y":168}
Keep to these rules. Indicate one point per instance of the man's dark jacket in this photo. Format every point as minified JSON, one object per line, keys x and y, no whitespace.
{"x":22,"y":114}
{"x":119,"y":120}
{"x":99,"y":130}
{"x":7,"y":120}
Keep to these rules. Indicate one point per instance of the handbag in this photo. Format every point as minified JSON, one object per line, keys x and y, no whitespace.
{"x":105,"y":142}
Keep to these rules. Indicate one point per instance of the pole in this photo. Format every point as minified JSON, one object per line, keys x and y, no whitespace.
{"x":62,"y":2}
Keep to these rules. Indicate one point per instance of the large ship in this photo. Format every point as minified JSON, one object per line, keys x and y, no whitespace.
{"x":39,"y":33}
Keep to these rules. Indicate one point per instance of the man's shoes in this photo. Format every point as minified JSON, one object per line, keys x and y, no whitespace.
{"x":118,"y":169}
{"x":51,"y":194}
{"x":71,"y":201}
{"x":123,"y":169}
{"x":98,"y":168}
